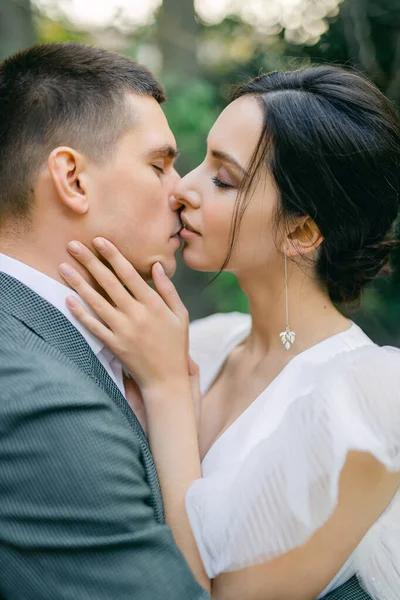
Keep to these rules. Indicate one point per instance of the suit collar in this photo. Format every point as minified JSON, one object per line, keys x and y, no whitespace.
{"x":54,"y":328}
{"x":51,"y":290}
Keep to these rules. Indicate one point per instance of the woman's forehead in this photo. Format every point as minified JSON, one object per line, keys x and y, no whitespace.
{"x":237,"y":129}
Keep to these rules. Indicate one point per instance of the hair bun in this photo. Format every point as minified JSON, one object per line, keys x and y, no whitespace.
{"x":346,"y":273}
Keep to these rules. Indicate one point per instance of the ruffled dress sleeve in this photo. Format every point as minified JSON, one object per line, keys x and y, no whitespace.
{"x":211,"y":338}
{"x":286,"y":487}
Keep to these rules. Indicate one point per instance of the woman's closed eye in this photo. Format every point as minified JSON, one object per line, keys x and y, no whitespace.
{"x":224,"y":180}
{"x":221,"y":184}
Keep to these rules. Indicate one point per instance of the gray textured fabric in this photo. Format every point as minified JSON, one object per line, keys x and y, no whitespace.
{"x":81,"y":513}
{"x":349,"y":591}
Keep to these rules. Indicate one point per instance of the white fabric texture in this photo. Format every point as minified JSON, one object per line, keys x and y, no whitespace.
{"x":271,"y":479}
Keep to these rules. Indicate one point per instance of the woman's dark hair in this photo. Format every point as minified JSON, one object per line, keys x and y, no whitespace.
{"x":331,"y":140}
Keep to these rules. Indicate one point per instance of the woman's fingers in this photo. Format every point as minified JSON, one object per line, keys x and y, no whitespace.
{"x":168,"y":293}
{"x":93,"y":299}
{"x":125,"y":271}
{"x":91,"y":323}
{"x":147,"y":332}
{"x":101,"y":273}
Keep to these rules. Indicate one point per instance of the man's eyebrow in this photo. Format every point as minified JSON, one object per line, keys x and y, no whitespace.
{"x":224,"y":156}
{"x":166,"y":151}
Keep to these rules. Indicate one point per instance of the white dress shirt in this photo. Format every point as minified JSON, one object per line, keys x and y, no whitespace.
{"x":56,"y":293}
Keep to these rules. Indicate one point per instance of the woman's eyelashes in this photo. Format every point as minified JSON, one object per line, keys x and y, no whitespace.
{"x":224,"y":179}
{"x":218,"y":183}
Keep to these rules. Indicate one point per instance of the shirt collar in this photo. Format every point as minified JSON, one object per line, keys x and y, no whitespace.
{"x":51,"y":290}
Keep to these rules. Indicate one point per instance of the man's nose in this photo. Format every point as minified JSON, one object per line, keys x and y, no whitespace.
{"x":174,"y":202}
{"x":174,"y":179}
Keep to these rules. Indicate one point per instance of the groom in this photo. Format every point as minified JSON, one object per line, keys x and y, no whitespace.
{"x":85,"y":151}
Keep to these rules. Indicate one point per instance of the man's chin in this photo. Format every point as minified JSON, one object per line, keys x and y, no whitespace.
{"x":168,"y":264}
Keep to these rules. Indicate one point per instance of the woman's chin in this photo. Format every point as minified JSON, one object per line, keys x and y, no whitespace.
{"x":198,"y":261}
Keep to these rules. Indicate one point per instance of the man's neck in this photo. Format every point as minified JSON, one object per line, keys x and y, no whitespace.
{"x":44,"y":259}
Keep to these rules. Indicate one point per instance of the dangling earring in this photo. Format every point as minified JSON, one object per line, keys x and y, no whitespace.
{"x":287,"y":336}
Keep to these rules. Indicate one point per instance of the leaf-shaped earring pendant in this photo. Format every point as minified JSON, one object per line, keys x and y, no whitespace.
{"x":287,"y":337}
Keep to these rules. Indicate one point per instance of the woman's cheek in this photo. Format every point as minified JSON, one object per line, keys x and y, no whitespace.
{"x":219,"y":223}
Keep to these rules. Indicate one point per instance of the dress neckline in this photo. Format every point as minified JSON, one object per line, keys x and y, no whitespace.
{"x":238,"y":338}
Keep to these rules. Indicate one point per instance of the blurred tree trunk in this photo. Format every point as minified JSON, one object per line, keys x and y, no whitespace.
{"x":16,"y":26}
{"x":357,"y":30}
{"x":177,"y":34}
{"x":393,"y":87}
{"x":361,"y":18}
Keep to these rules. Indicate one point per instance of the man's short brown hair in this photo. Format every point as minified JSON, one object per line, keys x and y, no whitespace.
{"x":61,"y":94}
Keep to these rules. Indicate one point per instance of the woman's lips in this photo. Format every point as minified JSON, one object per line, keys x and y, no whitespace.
{"x":188,"y":234}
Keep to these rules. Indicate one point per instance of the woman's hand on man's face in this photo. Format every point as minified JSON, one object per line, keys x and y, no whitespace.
{"x":146,"y":329}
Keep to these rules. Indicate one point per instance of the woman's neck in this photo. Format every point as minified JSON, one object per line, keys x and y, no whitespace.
{"x":312,"y":315}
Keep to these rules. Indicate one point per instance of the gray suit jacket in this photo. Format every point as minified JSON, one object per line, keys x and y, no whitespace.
{"x":81,"y":514}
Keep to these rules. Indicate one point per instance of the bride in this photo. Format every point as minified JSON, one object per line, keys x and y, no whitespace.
{"x":280,"y":473}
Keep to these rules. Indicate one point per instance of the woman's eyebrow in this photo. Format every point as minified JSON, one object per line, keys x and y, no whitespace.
{"x":224,"y":156}
{"x":166,"y":151}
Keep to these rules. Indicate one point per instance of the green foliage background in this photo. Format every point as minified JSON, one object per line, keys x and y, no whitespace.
{"x":362,"y":33}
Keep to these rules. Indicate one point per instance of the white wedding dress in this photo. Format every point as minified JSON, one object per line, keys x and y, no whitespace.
{"x":271,"y":479}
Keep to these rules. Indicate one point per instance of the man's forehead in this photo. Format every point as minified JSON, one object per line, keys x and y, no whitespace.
{"x":150,"y":144}
{"x":150,"y":127}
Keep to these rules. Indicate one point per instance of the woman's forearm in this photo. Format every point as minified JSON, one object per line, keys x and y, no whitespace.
{"x":174,"y":444}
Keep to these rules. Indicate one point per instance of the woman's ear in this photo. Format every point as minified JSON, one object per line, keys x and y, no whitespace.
{"x":67,"y":170}
{"x":304,"y":237}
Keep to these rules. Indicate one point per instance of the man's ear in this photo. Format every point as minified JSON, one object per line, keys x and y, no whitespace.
{"x":303,"y":237}
{"x":67,"y":170}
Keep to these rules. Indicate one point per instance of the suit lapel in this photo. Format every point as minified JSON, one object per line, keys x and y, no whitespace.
{"x":52,"y":326}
